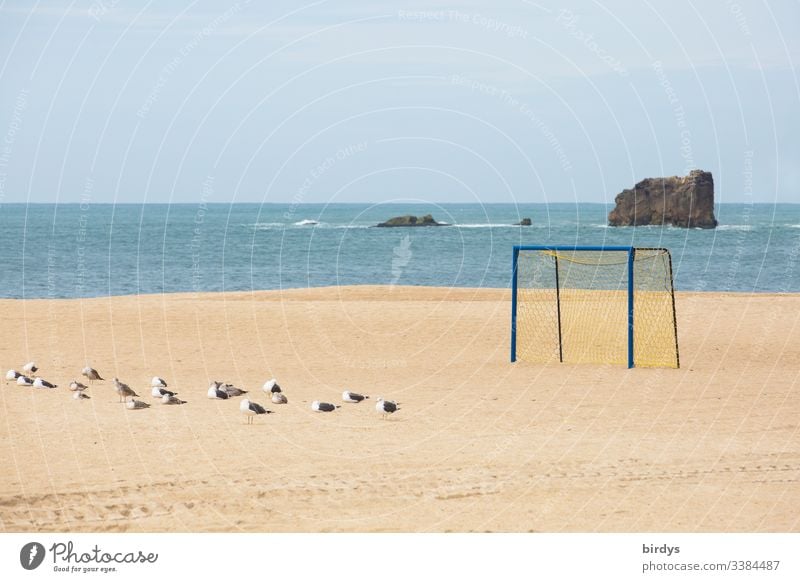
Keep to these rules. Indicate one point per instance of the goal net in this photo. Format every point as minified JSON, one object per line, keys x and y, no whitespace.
{"x":602,"y":305}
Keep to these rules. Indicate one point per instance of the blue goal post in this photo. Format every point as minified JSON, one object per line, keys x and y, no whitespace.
{"x":600,"y":304}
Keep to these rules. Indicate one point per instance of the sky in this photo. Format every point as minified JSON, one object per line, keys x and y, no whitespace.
{"x":116,"y":101}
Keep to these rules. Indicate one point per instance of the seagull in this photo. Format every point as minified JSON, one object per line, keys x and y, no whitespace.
{"x":229,"y":389}
{"x":30,"y":367}
{"x":76,"y":386}
{"x":157,"y":382}
{"x":24,"y":381}
{"x":233,"y":390}
{"x":252,"y":409}
{"x":79,"y":395}
{"x":271,"y":387}
{"x":279,"y":398}
{"x":12,"y":375}
{"x":123,"y":390}
{"x":39,"y":383}
{"x":348,"y":396}
{"x":171,"y":399}
{"x":159,"y":392}
{"x":318,"y":406}
{"x":217,"y":393}
{"x":91,"y":374}
{"x":136,"y":404}
{"x":386,"y":407}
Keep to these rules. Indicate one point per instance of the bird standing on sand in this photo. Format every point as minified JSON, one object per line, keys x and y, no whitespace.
{"x":136,"y":404}
{"x":279,"y":398}
{"x":271,"y":387}
{"x":158,"y":392}
{"x":12,"y":375}
{"x":348,"y":396}
{"x":318,"y":406}
{"x":24,"y":381}
{"x":91,"y":374}
{"x":158,"y":382}
{"x":79,"y":395}
{"x":123,"y":390}
{"x":386,"y":407}
{"x":171,"y":399}
{"x":216,"y":393}
{"x":251,"y":409}
{"x":229,"y":389}
{"x":39,"y":383}
{"x":233,"y":390}
{"x":76,"y":386}
{"x":30,"y":368}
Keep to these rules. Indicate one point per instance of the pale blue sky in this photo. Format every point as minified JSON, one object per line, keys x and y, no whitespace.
{"x":336,"y":101}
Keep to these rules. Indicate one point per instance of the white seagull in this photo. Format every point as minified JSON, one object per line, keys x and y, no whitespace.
{"x":79,"y":395}
{"x":158,"y":392}
{"x":39,"y":383}
{"x":217,"y":393}
{"x":318,"y":406}
{"x":123,"y":390}
{"x":30,"y":368}
{"x":136,"y":404}
{"x":386,"y":407}
{"x":271,"y":387}
{"x":279,"y":398}
{"x":157,"y":382}
{"x":12,"y":375}
{"x":229,"y":389}
{"x":233,"y":390}
{"x":91,"y":374}
{"x":76,"y":386}
{"x":24,"y":381}
{"x":348,"y":396}
{"x":171,"y":399}
{"x":251,"y":409}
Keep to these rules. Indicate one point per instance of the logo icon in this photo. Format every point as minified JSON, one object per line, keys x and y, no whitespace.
{"x":31,"y":555}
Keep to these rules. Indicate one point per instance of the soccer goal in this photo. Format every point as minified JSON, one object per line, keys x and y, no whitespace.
{"x":602,"y":305}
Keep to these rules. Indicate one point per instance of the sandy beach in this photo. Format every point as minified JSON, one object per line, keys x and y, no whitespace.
{"x":478,"y":445}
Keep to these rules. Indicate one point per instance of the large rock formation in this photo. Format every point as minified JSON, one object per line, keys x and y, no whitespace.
{"x":686,"y":202}
{"x":409,"y":220}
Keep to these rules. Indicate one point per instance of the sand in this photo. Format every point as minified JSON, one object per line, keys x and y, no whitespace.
{"x":479,"y":444}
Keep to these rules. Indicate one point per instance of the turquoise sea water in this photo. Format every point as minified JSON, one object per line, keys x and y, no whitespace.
{"x":49,"y":250}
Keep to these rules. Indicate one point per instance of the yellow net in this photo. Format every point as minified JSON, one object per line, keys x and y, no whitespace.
{"x":572,"y":306}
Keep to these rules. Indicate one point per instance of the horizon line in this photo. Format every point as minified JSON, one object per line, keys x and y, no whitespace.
{"x":298,"y":204}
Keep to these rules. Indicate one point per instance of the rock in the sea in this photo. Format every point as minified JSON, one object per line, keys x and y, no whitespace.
{"x":409,"y":220}
{"x":524,"y":222}
{"x":686,"y":202}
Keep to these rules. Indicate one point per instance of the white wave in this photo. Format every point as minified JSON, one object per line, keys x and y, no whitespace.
{"x":265,"y":225}
{"x":662,"y":226}
{"x":486,"y":225}
{"x":306,"y":222}
{"x":735,"y":227}
{"x":794,"y":226}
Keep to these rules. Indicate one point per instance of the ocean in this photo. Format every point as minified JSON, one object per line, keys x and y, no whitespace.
{"x":72,"y":250}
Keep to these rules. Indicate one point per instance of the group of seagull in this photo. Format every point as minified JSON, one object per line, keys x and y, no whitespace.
{"x":158,"y":390}
{"x":24,"y":378}
{"x":216,"y":391}
{"x":220,"y":391}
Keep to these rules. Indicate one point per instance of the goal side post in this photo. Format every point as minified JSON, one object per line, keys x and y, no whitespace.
{"x":514,"y":304}
{"x":631,"y":253}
